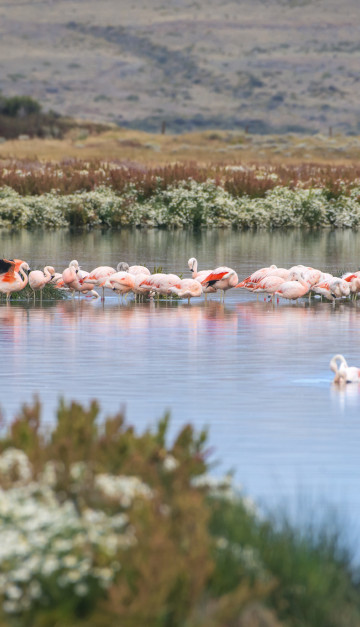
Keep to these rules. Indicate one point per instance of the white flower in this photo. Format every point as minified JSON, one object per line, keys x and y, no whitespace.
{"x":170,"y":463}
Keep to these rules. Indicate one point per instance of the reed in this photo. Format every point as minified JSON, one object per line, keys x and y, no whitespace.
{"x":253,"y":180}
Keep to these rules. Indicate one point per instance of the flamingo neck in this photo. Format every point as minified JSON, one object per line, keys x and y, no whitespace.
{"x":195,"y":268}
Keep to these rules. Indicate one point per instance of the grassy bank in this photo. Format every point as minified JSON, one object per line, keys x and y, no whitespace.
{"x":119,"y":145}
{"x":103,"y":526}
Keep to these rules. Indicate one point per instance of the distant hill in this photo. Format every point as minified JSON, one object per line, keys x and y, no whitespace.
{"x":269,"y":66}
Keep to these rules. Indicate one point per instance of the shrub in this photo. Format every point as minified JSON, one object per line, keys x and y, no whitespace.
{"x":103,"y":526}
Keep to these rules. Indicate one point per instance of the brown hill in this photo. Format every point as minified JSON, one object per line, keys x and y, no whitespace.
{"x":265,"y":65}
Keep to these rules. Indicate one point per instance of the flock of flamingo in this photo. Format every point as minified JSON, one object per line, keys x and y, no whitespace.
{"x":291,"y":284}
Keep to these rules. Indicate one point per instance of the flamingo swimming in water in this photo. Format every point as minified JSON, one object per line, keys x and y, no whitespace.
{"x":38,"y":279}
{"x":344,"y":373}
{"x":10,"y":279}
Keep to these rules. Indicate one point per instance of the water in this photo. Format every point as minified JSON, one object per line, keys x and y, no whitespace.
{"x":256,"y":375}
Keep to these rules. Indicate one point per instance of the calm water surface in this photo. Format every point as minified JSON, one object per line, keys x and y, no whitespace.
{"x":256,"y":375}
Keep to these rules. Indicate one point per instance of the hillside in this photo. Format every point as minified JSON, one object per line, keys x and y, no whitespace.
{"x":270,"y":66}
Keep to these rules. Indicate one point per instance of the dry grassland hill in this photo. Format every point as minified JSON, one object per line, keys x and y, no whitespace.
{"x":270,"y":66}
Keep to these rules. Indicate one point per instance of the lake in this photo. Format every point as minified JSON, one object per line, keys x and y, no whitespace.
{"x":255,"y":374}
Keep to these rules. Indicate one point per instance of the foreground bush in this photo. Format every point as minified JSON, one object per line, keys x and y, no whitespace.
{"x":102,"y":526}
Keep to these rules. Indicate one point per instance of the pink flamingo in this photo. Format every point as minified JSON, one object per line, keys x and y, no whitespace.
{"x":10,"y":279}
{"x":98,"y":277}
{"x":344,"y":373}
{"x":161,"y":283}
{"x":139,"y":289}
{"x":222,"y":278}
{"x":124,"y":267}
{"x":189,"y":288}
{"x":292,"y":290}
{"x":257,"y":276}
{"x":200,"y":276}
{"x":73,"y":278}
{"x":120,"y":282}
{"x":38,"y":279}
{"x":334,"y":288}
{"x":269,"y":285}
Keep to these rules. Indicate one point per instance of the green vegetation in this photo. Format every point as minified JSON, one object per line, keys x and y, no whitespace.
{"x":99,"y":195}
{"x":104,"y":526}
{"x":49,"y":292}
{"x":23,"y":116}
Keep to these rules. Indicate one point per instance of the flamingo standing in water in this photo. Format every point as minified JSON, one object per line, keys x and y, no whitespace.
{"x":10,"y":279}
{"x":124,"y":267}
{"x":334,"y":288}
{"x":73,"y":279}
{"x":344,"y":373}
{"x":222,"y":278}
{"x":161,"y":283}
{"x":292,"y":290}
{"x":270,"y":285}
{"x":199,"y":276}
{"x":189,"y":288}
{"x":38,"y":279}
{"x":98,"y":277}
{"x":121,"y":282}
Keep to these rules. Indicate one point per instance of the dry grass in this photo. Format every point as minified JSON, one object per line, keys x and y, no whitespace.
{"x":216,"y":147}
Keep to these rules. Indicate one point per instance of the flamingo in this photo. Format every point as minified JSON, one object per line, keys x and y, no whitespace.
{"x":189,"y":288}
{"x":124,"y":267}
{"x":222,"y":278}
{"x":270,"y":284}
{"x":334,"y":288}
{"x":10,"y":279}
{"x":292,"y":290}
{"x":139,"y":289}
{"x":98,"y":277}
{"x":120,"y":282}
{"x":355,"y":287}
{"x":161,"y":283}
{"x":38,"y":279}
{"x":199,"y":276}
{"x":256,"y":276}
{"x":73,"y":279}
{"x":344,"y":373}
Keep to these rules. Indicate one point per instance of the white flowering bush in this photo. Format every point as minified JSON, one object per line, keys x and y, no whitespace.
{"x":49,"y":550}
{"x":94,"y":520}
{"x":187,"y":203}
